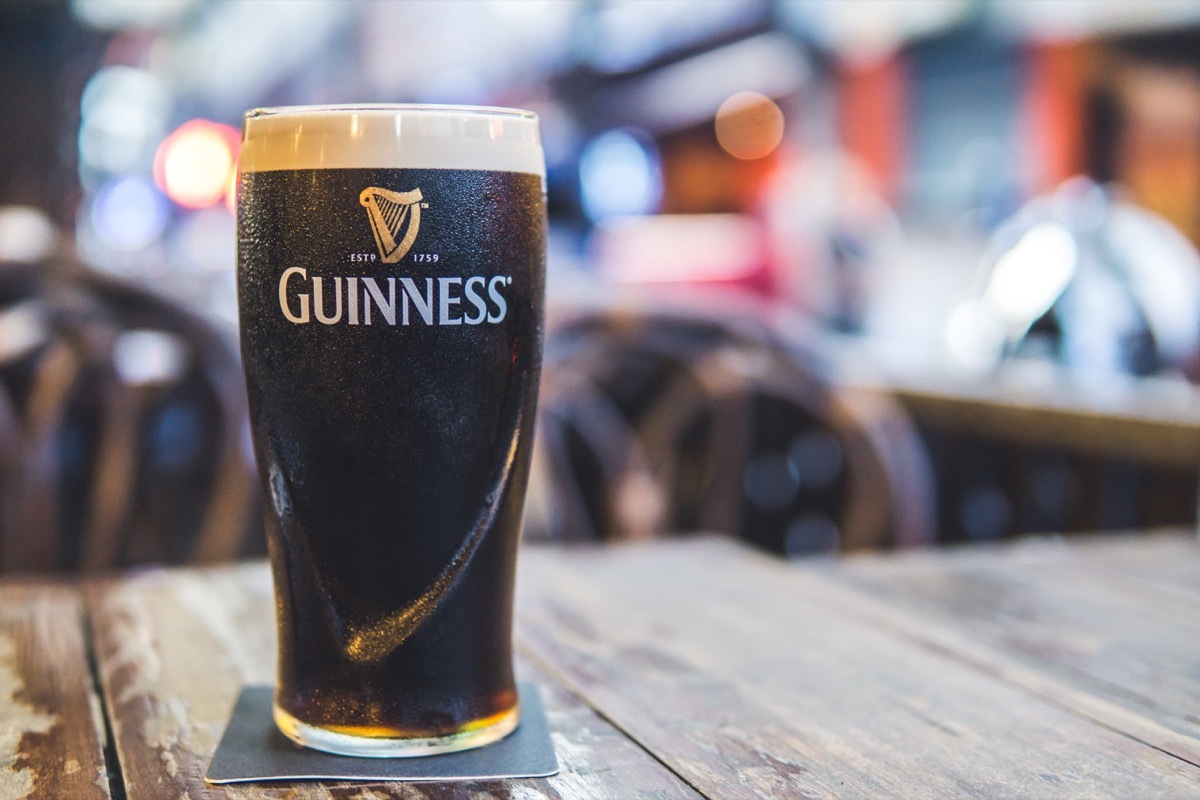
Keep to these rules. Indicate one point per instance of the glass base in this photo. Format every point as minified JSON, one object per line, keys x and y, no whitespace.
{"x":343,"y":744}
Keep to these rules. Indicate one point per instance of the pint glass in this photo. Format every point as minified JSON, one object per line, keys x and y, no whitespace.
{"x":391,"y":271}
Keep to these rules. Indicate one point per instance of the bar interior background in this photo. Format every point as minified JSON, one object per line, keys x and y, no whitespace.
{"x":985,"y":211}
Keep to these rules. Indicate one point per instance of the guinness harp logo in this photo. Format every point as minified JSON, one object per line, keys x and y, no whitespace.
{"x":395,"y":219}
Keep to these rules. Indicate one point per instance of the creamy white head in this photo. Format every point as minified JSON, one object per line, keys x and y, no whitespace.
{"x":391,"y":136}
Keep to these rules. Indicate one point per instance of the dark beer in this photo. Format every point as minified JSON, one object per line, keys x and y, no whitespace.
{"x":391,"y":276}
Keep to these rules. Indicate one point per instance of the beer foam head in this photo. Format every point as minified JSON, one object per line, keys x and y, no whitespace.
{"x":391,"y":136}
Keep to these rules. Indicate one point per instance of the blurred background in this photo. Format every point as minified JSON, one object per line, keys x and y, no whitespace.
{"x":822,"y":275}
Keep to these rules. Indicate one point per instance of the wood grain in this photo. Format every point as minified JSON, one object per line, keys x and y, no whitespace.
{"x":1129,"y":635}
{"x":751,"y":677}
{"x":51,"y":730}
{"x":175,"y":647}
{"x":1165,"y":559}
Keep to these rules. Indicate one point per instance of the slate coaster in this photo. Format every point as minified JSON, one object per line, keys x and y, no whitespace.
{"x":253,"y":749}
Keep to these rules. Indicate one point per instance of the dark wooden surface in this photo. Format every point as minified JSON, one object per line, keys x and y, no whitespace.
{"x":685,"y":668}
{"x":51,"y":726}
{"x":750,"y":677}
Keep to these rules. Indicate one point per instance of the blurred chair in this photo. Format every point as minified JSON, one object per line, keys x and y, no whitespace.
{"x":123,"y":428}
{"x":681,"y":418}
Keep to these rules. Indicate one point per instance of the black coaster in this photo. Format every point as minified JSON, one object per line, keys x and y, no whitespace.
{"x":253,"y":749}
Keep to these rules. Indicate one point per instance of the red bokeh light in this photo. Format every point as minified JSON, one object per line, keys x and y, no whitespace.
{"x":196,"y":163}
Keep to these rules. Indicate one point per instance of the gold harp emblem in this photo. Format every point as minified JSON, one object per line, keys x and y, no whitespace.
{"x":389,"y":212}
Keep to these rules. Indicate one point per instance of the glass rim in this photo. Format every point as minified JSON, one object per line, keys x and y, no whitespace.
{"x":390,"y":108}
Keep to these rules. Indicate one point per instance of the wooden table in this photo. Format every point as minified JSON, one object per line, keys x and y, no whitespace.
{"x":687,"y":668}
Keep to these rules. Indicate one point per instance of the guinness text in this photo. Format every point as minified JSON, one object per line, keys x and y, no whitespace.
{"x":362,"y":300}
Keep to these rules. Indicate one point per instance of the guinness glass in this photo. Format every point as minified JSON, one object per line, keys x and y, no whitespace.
{"x":391,"y":265}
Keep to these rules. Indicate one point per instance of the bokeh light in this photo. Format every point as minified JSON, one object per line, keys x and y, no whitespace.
{"x":620,"y":175}
{"x":202,"y":242}
{"x":194,"y":164}
{"x":749,"y":125}
{"x":1028,"y":278}
{"x":145,"y":356}
{"x":121,"y":119}
{"x":129,"y":213}
{"x":26,"y":234}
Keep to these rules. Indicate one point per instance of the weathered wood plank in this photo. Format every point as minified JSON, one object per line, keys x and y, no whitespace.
{"x":750,"y":677}
{"x":1166,"y":559}
{"x":51,"y":731}
{"x":1070,"y":610}
{"x":175,"y":647}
